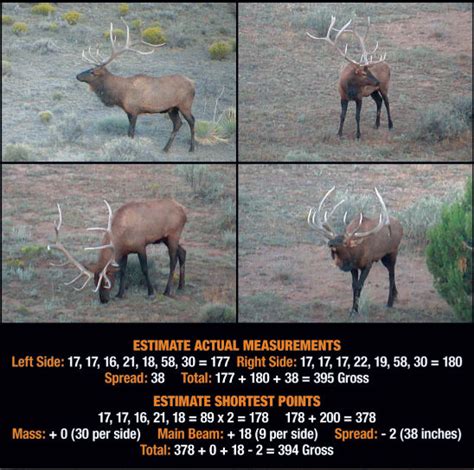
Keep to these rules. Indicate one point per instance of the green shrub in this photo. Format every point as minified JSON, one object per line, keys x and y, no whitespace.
{"x":8,"y":20}
{"x":136,"y":25}
{"x":43,"y":9}
{"x":53,"y":27}
{"x":6,"y":68}
{"x":33,"y":251}
{"x":229,"y":238}
{"x":72,"y":17}
{"x":202,"y":181}
{"x":227,"y":124}
{"x":19,"y":28}
{"x":220,"y":50}
{"x":124,"y":149}
{"x":154,"y":35}
{"x":15,"y":263}
{"x":17,"y":153}
{"x":233,"y":44}
{"x":123,"y":9}
{"x":419,"y":218}
{"x":217,"y":313}
{"x":116,"y":125}
{"x":118,"y":34}
{"x":448,"y":256}
{"x":58,"y":96}
{"x":228,"y":215}
{"x":45,"y":116}
{"x":442,"y":121}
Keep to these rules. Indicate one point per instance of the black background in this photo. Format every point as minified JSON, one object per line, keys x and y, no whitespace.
{"x":428,"y":398}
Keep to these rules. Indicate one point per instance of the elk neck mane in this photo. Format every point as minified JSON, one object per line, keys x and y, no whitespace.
{"x":109,"y":90}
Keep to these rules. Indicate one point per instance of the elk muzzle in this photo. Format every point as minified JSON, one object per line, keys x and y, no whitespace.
{"x":85,"y":76}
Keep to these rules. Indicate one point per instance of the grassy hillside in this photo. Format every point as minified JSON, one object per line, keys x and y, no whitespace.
{"x":289,"y":104}
{"x":285,"y":268}
{"x":34,"y":291}
{"x":47,"y":115}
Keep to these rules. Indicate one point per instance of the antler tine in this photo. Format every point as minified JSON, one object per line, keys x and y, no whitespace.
{"x":322,"y":226}
{"x":107,"y":245}
{"x":71,"y":260}
{"x":384,"y":219}
{"x":109,"y":224}
{"x":353,"y":232}
{"x":327,"y":38}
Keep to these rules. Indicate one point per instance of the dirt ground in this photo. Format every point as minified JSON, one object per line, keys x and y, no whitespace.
{"x":285,"y":269}
{"x":33,"y":290}
{"x":289,"y":103}
{"x":334,"y":293}
{"x":43,"y":78}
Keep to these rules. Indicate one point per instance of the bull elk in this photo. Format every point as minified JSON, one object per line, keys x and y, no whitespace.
{"x":364,"y":242}
{"x":140,"y":94}
{"x":359,"y":79}
{"x":133,"y":226}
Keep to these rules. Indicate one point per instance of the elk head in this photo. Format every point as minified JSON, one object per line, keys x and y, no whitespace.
{"x":95,"y":75}
{"x":344,"y":246}
{"x":103,"y":271}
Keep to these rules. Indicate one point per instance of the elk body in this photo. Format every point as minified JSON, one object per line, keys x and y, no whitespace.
{"x":359,"y":79}
{"x":134,"y":226}
{"x":363,"y":242}
{"x":141,"y":94}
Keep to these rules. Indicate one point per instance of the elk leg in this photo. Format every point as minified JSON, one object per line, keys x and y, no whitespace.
{"x":358,"y":109}
{"x":123,"y":267}
{"x":344,"y":104}
{"x":173,"y":252}
{"x":378,"y":101}
{"x":355,"y":279}
{"x":387,"y":107}
{"x":174,"y":116}
{"x":190,"y":120}
{"x":132,"y":119}
{"x":144,"y":265}
{"x":182,"y":261}
{"x":389,"y":262}
{"x":360,"y":284}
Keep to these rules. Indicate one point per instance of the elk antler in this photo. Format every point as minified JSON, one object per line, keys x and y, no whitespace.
{"x":108,"y":230}
{"x":59,"y":246}
{"x":323,"y":226}
{"x":96,"y":59}
{"x":384,"y":219}
{"x":364,"y":60}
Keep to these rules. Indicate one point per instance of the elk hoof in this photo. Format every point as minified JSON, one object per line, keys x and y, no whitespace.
{"x":151,"y":296}
{"x":390,"y":126}
{"x":166,"y":149}
{"x":353,"y":312}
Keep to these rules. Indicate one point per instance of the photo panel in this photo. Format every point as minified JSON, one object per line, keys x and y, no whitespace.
{"x":115,"y":82}
{"x":401,"y":91}
{"x":300,"y":246}
{"x":162,"y":215}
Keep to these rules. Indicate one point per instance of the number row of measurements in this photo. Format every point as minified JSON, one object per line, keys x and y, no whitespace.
{"x":162,"y":418}
{"x":254,"y":362}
